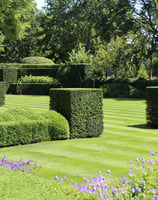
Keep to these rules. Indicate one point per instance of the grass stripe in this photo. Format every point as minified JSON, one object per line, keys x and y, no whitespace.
{"x":124,"y":138}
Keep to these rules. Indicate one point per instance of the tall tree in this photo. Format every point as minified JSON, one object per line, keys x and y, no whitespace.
{"x":70,"y":22}
{"x":14,"y":18}
{"x":146,"y":17}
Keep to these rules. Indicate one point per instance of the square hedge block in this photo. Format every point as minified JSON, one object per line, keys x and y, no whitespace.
{"x":152,"y":106}
{"x":2,"y":93}
{"x":82,"y":107}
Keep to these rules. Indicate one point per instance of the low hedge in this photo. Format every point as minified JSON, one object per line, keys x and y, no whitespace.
{"x":2,"y":93}
{"x":24,"y":126}
{"x":126,"y":88}
{"x":33,"y":88}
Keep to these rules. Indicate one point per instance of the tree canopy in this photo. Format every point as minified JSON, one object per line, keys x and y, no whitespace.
{"x":121,"y":36}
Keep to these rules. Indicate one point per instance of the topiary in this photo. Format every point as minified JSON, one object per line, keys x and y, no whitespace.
{"x":37,"y":60}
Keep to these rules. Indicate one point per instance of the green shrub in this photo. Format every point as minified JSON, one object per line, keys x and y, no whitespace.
{"x":24,"y":126}
{"x":152,"y":106}
{"x":33,"y":89}
{"x":35,"y":85}
{"x":38,"y":79}
{"x":136,"y":93}
{"x":83,"y":108}
{"x":2,"y":93}
{"x":114,"y":90}
{"x":73,"y":75}
{"x":8,"y":75}
{"x":37,"y":60}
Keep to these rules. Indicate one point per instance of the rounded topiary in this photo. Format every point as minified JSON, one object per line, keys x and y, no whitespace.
{"x":23,"y":126}
{"x":37,"y":60}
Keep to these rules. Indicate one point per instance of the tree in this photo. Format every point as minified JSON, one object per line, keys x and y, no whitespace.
{"x":14,"y":18}
{"x":70,"y":22}
{"x":146,"y":18}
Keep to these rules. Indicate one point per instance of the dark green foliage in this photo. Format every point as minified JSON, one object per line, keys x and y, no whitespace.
{"x":33,"y":88}
{"x":152,"y":106}
{"x":134,"y":88}
{"x":35,"y":85}
{"x":37,"y":60}
{"x":38,"y":70}
{"x":83,"y":108}
{"x":115,"y":90}
{"x":24,"y":126}
{"x":2,"y":93}
{"x":8,"y":75}
{"x":69,"y":75}
{"x":73,"y":75}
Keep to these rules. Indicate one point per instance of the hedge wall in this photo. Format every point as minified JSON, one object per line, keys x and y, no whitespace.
{"x":38,"y":71}
{"x":9,"y":76}
{"x":74,"y":75}
{"x":31,"y":89}
{"x":152,"y":106}
{"x":19,"y":126}
{"x":128,"y":88}
{"x":2,"y":93}
{"x":83,"y":108}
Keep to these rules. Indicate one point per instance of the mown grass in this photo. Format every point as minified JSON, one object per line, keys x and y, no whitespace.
{"x":125,"y":137}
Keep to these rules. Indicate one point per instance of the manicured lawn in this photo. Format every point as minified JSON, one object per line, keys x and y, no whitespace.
{"x":125,"y":137}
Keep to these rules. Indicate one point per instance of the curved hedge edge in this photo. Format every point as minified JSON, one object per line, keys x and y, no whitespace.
{"x":26,"y":132}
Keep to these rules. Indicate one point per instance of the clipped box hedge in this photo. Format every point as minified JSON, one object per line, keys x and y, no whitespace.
{"x":152,"y":106}
{"x":2,"y":93}
{"x":34,"y":88}
{"x":25,"y":126}
{"x":8,"y":75}
{"x":83,"y":108}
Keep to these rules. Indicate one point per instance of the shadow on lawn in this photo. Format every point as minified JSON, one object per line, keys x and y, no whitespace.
{"x":129,"y":99}
{"x":142,"y":126}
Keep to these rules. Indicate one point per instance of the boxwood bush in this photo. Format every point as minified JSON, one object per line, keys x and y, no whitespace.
{"x":37,"y":60}
{"x":152,"y":106}
{"x":24,"y":126}
{"x":83,"y":108}
{"x":35,"y":85}
{"x":2,"y":93}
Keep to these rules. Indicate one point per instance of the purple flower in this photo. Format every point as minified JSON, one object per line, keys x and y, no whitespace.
{"x":143,"y":160}
{"x":105,"y":197}
{"x":131,"y":182}
{"x":61,"y":180}
{"x":153,"y":191}
{"x":131,"y":168}
{"x":137,"y":159}
{"x":73,"y":185}
{"x":138,"y":189}
{"x":152,"y":161}
{"x":122,"y":191}
{"x":131,"y":162}
{"x":56,"y":178}
{"x":152,"y":153}
{"x":123,"y":180}
{"x":133,"y":190}
{"x":130,"y":173}
{"x":155,"y":198}
{"x":143,"y":182}
{"x":98,"y":172}
{"x":108,"y":171}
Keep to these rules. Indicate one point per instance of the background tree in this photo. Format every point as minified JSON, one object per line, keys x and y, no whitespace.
{"x":14,"y":18}
{"x":146,"y":18}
